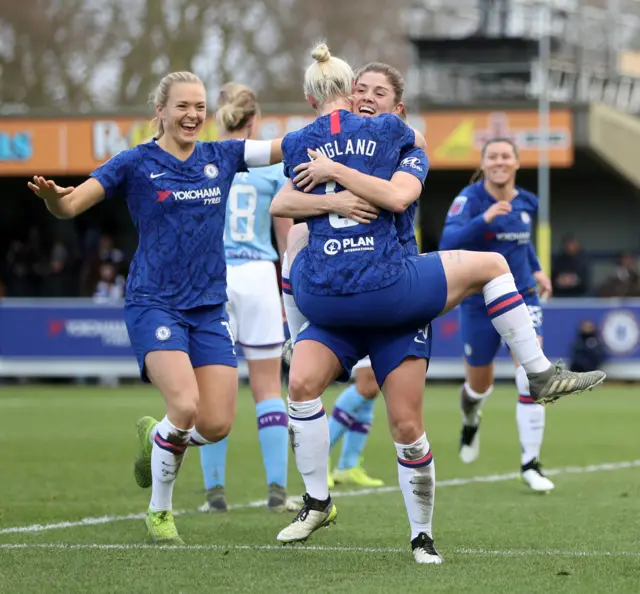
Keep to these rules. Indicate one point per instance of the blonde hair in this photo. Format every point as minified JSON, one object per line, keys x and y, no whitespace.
{"x":160,"y":96}
{"x":327,"y":77}
{"x":237,"y":103}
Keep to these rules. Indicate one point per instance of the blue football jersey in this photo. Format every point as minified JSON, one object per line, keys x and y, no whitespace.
{"x":413,"y":161}
{"x":344,"y":257}
{"x":247,"y":233}
{"x":178,"y":208}
{"x":509,"y":235}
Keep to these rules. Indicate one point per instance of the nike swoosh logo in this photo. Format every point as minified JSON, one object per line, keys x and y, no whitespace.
{"x":154,"y":175}
{"x":419,"y":341}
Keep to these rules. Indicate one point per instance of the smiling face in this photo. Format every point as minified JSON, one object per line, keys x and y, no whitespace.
{"x":500,"y":163}
{"x":184,"y":113}
{"x":374,"y":94}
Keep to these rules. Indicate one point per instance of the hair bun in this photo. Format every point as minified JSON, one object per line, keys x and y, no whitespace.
{"x":321,"y":53}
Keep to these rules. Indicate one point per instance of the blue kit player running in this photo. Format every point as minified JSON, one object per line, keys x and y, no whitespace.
{"x":495,"y":215}
{"x":378,"y":89}
{"x":351,"y":277}
{"x":254,"y":305}
{"x":176,"y":190}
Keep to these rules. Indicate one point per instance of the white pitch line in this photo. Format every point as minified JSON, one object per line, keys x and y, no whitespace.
{"x":319,"y":548}
{"x":458,"y":482}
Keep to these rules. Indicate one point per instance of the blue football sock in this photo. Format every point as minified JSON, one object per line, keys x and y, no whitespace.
{"x":273,"y":433}
{"x":344,"y":413}
{"x":213,"y":460}
{"x":356,"y":437}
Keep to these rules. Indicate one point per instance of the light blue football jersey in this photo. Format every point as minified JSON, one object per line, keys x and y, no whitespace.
{"x":247,"y":233}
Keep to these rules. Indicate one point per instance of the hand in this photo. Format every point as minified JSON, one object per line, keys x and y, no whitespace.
{"x":352,"y":207}
{"x":318,"y":171}
{"x":48,"y":189}
{"x":546,"y":289}
{"x":497,"y":210}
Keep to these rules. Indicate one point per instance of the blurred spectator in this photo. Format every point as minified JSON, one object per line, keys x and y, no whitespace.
{"x":570,"y":270}
{"x":110,"y":287}
{"x":625,"y":280}
{"x":20,"y":279}
{"x":106,"y":252}
{"x":61,"y":278}
{"x":587,"y":351}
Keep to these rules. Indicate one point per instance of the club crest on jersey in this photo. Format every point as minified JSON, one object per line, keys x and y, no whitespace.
{"x":211,"y":171}
{"x":526,"y":219}
{"x":457,"y":206}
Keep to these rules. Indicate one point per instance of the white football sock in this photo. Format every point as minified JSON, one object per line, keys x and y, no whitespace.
{"x":530,"y":418}
{"x":309,"y":432}
{"x":512,"y":320}
{"x":295,"y":319}
{"x":417,"y":477}
{"x":169,"y":446}
{"x":474,"y":402}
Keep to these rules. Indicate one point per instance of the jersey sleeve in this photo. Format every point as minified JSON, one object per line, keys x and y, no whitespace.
{"x":463,"y":229}
{"x":533,"y":259}
{"x":397,"y":129}
{"x":233,"y":151}
{"x":113,"y":174}
{"x":415,"y":162}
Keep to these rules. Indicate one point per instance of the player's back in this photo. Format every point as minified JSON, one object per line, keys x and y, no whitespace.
{"x":343,"y":256}
{"x":509,"y":235}
{"x":248,"y":222}
{"x":178,"y":208}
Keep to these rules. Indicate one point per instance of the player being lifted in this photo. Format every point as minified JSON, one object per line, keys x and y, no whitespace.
{"x":494,"y":215}
{"x":176,"y":190}
{"x":351,"y":277}
{"x":378,"y":88}
{"x":254,"y":307}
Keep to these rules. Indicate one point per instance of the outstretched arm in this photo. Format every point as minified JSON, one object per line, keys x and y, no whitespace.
{"x":69,"y":202}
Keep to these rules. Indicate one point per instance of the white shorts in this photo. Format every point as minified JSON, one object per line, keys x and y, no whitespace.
{"x":255,"y":309}
{"x":366,"y":362}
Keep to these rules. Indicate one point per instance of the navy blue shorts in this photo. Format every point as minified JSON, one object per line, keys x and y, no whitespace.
{"x":481,"y":340}
{"x":203,"y":333}
{"x":387,"y":348}
{"x":414,"y":300}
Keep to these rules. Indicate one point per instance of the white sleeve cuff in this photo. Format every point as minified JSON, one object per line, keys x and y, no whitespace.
{"x":257,"y":153}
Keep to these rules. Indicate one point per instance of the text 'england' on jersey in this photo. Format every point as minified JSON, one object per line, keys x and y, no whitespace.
{"x":247,"y":234}
{"x":415,"y":162}
{"x":178,"y":208}
{"x":509,"y":235}
{"x":344,"y":257}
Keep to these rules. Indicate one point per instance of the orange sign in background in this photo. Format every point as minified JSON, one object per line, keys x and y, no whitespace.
{"x":77,"y":146}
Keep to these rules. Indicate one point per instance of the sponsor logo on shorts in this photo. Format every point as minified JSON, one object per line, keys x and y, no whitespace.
{"x":163,"y":333}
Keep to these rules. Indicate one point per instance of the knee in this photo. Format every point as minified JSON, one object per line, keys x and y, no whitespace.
{"x":214,"y":430}
{"x":182,"y":408}
{"x":499,"y":264}
{"x":406,"y":430}
{"x":367,"y":386}
{"x":303,"y":388}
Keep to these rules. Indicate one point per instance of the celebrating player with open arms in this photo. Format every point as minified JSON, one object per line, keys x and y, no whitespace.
{"x":176,"y":190}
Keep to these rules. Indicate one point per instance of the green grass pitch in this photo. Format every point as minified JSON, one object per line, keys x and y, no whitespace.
{"x":67,"y":454}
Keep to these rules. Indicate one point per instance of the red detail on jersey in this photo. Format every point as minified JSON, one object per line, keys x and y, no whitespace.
{"x":489,"y":236}
{"x":334,"y":120}
{"x":55,"y":327}
{"x":163,"y":195}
